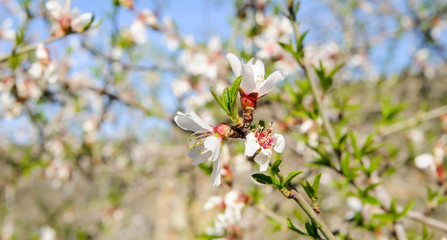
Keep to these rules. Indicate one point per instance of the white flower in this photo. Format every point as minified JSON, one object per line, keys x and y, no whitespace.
{"x":261,"y":142}
{"x":47,"y":233}
{"x":66,"y":20}
{"x":253,"y":76}
{"x":424,"y":161}
{"x":82,"y":22}
{"x":207,"y":142}
{"x":138,"y":32}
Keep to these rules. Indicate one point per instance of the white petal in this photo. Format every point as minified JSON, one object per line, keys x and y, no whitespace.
{"x":213,"y":144}
{"x":424,"y":161}
{"x":280,"y":143}
{"x":235,"y":63}
{"x":248,"y":83}
{"x":215,"y":175}
{"x":199,"y":154}
{"x":258,"y":68}
{"x":263,"y":159}
{"x":191,"y":122}
{"x":251,"y":145}
{"x":80,"y":23}
{"x":271,"y":82}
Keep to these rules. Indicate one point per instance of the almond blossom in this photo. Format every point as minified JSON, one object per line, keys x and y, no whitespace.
{"x":208,"y":141}
{"x":67,"y":22}
{"x":260,"y":143}
{"x":253,"y":76}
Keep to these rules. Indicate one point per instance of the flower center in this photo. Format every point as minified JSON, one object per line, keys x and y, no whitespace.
{"x":198,"y":138}
{"x":259,"y":80}
{"x":264,"y":137}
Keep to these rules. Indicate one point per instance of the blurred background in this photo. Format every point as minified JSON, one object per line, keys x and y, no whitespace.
{"x":89,"y":89}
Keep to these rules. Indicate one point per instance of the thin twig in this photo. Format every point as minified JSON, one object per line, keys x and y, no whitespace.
{"x":298,"y":198}
{"x":29,"y":48}
{"x":422,"y":117}
{"x":427,"y":220}
{"x":315,"y":91}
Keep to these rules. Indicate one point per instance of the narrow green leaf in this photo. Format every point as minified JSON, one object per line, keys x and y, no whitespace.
{"x":233,"y":92}
{"x":290,"y":177}
{"x":310,"y":191}
{"x":261,"y":178}
{"x":406,"y":209}
{"x":226,"y":99}
{"x":293,"y":228}
{"x":275,"y":167}
{"x":300,"y":40}
{"x":219,"y":101}
{"x":336,"y":69}
{"x":386,"y":217}
{"x":371,"y":200}
{"x":345,"y":162}
{"x":375,"y":163}
{"x":316,"y":183}
{"x":354,"y":144}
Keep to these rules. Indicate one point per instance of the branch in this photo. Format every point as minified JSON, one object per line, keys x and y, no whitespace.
{"x":422,"y":117}
{"x":427,"y":220}
{"x":313,"y":215}
{"x":29,"y":48}
{"x":315,"y":91}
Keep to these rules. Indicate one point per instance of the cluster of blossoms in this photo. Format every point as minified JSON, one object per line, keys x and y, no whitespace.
{"x":228,"y":222}
{"x":207,"y":141}
{"x":434,"y":160}
{"x":66,"y":22}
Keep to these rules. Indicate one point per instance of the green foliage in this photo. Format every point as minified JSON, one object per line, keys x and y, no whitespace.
{"x":326,"y":80}
{"x":293,"y":228}
{"x":290,"y":177}
{"x":228,"y":100}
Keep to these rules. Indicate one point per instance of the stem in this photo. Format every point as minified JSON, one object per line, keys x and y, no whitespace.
{"x":422,"y":117}
{"x":315,"y":92}
{"x":427,"y":220}
{"x":313,"y":215}
{"x":30,"y":47}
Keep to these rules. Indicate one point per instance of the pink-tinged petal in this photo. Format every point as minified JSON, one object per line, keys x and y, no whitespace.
{"x":280,"y":143}
{"x":251,"y":145}
{"x":248,"y":83}
{"x":215,"y":175}
{"x":191,"y":122}
{"x":270,"y":83}
{"x":235,"y":63}
{"x":199,"y":154}
{"x":263,"y":159}
{"x":213,"y":144}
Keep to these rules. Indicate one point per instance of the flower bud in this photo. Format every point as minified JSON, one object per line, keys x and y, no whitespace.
{"x":223,"y":130}
{"x":248,"y":102}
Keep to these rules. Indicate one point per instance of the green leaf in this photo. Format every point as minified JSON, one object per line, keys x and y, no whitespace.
{"x":335,"y":70}
{"x":345,"y":165}
{"x":386,"y":217}
{"x":310,"y":191}
{"x":293,"y":228}
{"x":290,"y":177}
{"x":226,"y":99}
{"x":371,"y":200}
{"x":275,"y":167}
{"x":233,"y":92}
{"x":261,"y":178}
{"x":354,"y":144}
{"x":299,"y":43}
{"x":219,"y":101}
{"x":316,"y":183}
{"x":406,"y":209}
{"x":312,"y":230}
